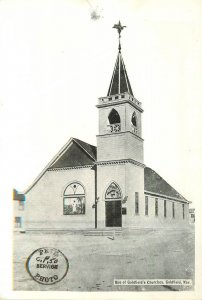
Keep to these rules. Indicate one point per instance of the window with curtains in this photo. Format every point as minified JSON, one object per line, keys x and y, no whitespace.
{"x":74,"y":199}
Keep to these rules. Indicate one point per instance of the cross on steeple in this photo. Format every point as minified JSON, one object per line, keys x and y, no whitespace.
{"x":119,"y":28}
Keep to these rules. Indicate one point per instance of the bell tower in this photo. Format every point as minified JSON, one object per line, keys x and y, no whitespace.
{"x":120,"y":145}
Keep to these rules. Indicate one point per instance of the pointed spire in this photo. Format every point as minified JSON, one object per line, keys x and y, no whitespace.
{"x":119,"y":82}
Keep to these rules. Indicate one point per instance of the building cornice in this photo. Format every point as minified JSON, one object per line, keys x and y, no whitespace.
{"x":114,"y":103}
{"x":120,"y":162}
{"x":69,"y":168}
{"x":166,"y":197}
{"x":119,"y":133}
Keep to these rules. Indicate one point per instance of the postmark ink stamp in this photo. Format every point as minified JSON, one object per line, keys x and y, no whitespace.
{"x":47,"y":265}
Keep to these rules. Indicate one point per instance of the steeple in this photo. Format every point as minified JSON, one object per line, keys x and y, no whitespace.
{"x":119,"y":82}
{"x":119,"y":111}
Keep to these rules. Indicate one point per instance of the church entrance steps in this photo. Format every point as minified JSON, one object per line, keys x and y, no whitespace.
{"x":104,"y":232}
{"x":85,"y":232}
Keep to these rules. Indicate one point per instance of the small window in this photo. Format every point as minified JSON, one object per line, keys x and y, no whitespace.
{"x":117,"y":97}
{"x":110,"y":98}
{"x":173,"y":209}
{"x":134,"y":119}
{"x":165,"y":211}
{"x":183,"y":212}
{"x":156,"y":207}
{"x":136,"y":203}
{"x":18,"y":222}
{"x":146,"y":205}
{"x":124,"y":211}
{"x":122,"y":96}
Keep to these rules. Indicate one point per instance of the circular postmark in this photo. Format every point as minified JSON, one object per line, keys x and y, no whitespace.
{"x":47,"y":265}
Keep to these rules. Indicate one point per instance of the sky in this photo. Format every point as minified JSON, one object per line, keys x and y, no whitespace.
{"x":56,"y":60}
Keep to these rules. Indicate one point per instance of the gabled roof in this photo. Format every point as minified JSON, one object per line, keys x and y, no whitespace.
{"x":119,"y":82}
{"x":78,"y":153}
{"x":74,"y":153}
{"x":155,"y":184}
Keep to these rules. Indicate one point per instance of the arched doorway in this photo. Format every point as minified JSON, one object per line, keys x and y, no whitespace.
{"x":113,"y":206}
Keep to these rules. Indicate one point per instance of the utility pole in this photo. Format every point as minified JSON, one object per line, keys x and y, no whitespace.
{"x":94,"y":168}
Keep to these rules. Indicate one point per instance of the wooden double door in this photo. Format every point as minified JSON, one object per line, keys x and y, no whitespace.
{"x":113,"y":212}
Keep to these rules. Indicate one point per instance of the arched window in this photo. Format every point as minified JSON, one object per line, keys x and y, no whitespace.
{"x":114,"y":117}
{"x":114,"y":121}
{"x":74,"y":199}
{"x":134,"y":119}
{"x":134,"y":123}
{"x":113,"y":192}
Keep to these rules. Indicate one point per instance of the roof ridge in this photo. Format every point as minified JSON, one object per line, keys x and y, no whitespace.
{"x":83,"y":142}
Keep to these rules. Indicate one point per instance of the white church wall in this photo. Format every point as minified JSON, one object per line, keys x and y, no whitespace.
{"x":134,"y":184}
{"x":111,"y":147}
{"x":134,"y":147}
{"x":44,"y":202}
{"x":129,"y":177}
{"x":153,"y":221}
{"x":119,"y":146}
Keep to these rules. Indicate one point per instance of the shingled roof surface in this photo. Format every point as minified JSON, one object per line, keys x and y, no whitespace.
{"x":92,"y":150}
{"x":154,"y":183}
{"x":78,"y":154}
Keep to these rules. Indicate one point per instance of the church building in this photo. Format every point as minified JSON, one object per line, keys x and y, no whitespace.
{"x":86,"y":187}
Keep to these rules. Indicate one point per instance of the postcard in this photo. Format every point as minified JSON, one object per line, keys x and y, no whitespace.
{"x":101,"y":109}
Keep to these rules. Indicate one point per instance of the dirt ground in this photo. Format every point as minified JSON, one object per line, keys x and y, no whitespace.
{"x":95,"y":261}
